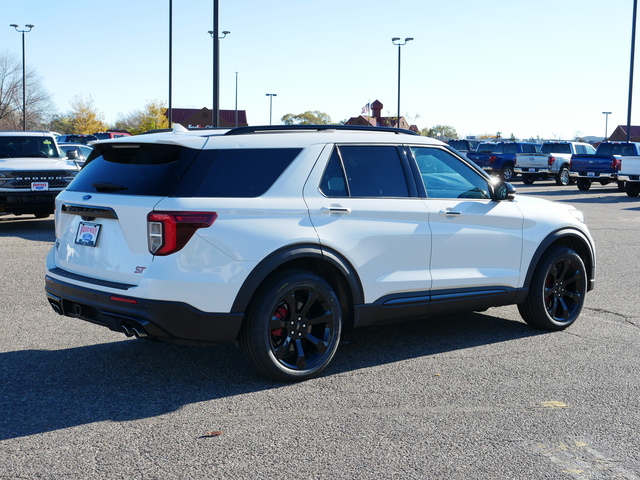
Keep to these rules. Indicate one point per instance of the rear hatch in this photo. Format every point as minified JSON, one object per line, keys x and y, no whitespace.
{"x":101,"y":219}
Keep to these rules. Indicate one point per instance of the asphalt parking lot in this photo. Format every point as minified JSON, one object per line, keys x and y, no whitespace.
{"x":473,"y":396}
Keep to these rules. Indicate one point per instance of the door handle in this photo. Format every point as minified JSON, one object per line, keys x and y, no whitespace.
{"x":336,"y":209}
{"x":449,"y":213}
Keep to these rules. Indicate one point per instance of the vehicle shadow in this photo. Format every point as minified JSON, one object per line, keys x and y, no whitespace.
{"x":28,"y":227}
{"x":48,"y":390}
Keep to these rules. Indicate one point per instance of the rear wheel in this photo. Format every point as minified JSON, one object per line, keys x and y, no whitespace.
{"x":557,"y":290}
{"x":621,"y":186}
{"x":293,"y":327}
{"x":583,"y":184}
{"x":563,"y":177}
{"x":507,"y":172}
{"x":632,"y":188}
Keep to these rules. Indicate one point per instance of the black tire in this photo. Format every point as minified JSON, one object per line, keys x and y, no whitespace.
{"x":528,"y":179}
{"x":621,"y":186}
{"x":632,"y":188}
{"x":293,"y":327}
{"x":557,"y":290}
{"x":563,"y":177}
{"x":507,"y":174}
{"x":584,"y":184}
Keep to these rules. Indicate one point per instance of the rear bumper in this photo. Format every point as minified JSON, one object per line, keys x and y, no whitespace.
{"x":142,"y":317}
{"x":629,"y":178}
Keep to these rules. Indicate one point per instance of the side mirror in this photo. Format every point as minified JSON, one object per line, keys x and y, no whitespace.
{"x":72,"y":154}
{"x":501,"y":190}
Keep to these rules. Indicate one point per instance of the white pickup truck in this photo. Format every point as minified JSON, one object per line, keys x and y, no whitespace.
{"x":629,"y":171}
{"x":553,"y":160}
{"x":32,"y":172}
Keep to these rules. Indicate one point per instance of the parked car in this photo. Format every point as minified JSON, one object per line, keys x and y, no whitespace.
{"x":552,"y":162}
{"x":82,"y":151}
{"x":77,"y":138}
{"x":604,"y":166}
{"x":629,"y":169}
{"x":279,"y":237}
{"x":111,"y":134}
{"x":500,"y":158}
{"x":32,"y":172}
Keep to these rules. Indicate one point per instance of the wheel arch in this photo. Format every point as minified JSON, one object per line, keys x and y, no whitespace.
{"x":328,"y":264}
{"x":573,"y":239}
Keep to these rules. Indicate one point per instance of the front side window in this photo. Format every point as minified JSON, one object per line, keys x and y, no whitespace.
{"x":364,"y":171}
{"x":445,"y":176}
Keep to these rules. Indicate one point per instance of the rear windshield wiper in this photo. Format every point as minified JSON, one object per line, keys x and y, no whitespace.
{"x":108,"y":187}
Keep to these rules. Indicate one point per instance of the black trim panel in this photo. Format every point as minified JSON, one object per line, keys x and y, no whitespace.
{"x":89,"y":211}
{"x":156,"y":318}
{"x":94,"y":281}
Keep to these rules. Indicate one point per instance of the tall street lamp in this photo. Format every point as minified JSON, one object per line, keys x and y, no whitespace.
{"x":396,"y":41}
{"x":216,"y":64}
{"x":271,"y":95}
{"x":24,"y":75}
{"x":606,"y":124}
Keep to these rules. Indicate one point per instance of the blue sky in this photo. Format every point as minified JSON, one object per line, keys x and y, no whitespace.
{"x":544,"y":68}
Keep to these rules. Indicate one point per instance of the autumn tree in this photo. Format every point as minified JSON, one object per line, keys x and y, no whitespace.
{"x":151,"y":117}
{"x":440,"y":131}
{"x":307,"y":118}
{"x":84,"y":118}
{"x":39,"y":105}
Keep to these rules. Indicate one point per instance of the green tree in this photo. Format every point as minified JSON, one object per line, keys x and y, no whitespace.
{"x":151,"y":117}
{"x":84,"y":118}
{"x":445,"y":132}
{"x":307,"y":118}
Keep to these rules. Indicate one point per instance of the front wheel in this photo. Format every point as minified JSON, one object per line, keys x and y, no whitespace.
{"x":563,"y":177}
{"x":584,"y":184}
{"x":632,"y":188}
{"x":293,"y":327}
{"x":557,"y":290}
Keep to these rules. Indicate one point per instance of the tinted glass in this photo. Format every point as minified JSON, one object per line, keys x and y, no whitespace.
{"x":374,"y":171}
{"x":333,"y":182}
{"x":24,"y":146}
{"x":134,"y":169}
{"x":445,"y":176}
{"x":528,"y":148}
{"x":556,"y":148}
{"x":243,"y":172}
{"x":485,"y":147}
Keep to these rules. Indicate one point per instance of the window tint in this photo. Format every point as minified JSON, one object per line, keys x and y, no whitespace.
{"x":528,"y":148}
{"x":372,"y":171}
{"x":556,"y":148}
{"x":445,"y":176}
{"x":244,"y":172}
{"x":580,"y":150}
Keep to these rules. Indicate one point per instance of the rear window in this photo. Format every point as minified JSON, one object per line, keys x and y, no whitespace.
{"x":171,"y":170}
{"x":556,"y":148}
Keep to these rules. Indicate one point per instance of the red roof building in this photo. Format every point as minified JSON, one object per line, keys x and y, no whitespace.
{"x":377,"y":120}
{"x":193,"y":117}
{"x":620,"y":134}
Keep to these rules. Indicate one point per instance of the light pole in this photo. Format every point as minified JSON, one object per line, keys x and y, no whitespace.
{"x":236,"y":99}
{"x":24,"y":75}
{"x":633,"y":54}
{"x":606,"y":124}
{"x":271,"y":95}
{"x":216,"y":64}
{"x":396,"y":41}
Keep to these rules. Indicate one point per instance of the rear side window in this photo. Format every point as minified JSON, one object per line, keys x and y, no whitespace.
{"x":243,"y":172}
{"x":371,"y":171}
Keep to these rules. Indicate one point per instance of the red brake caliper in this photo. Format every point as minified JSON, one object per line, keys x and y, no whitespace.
{"x":278,"y":334}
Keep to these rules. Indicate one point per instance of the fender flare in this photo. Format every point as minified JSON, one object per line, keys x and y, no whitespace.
{"x":296,"y":253}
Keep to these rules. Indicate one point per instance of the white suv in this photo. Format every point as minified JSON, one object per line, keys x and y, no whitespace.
{"x":280,"y":237}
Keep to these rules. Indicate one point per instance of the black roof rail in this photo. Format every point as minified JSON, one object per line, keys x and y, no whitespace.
{"x":316,"y":128}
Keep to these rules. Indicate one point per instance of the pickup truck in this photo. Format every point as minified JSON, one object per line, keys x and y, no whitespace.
{"x":32,"y":172}
{"x":629,"y":170}
{"x":552,"y":162}
{"x":604,"y":166}
{"x":500,"y":158}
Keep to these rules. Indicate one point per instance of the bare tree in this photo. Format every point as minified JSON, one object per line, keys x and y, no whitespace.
{"x":39,"y":104}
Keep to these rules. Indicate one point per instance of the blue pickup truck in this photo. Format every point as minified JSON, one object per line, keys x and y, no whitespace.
{"x":604,"y":166}
{"x":500,"y":158}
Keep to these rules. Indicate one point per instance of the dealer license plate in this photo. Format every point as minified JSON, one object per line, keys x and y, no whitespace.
{"x":39,"y":186}
{"x":88,"y":234}
{"x":591,"y":174}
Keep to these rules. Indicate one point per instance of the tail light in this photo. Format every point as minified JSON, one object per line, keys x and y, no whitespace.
{"x":492,"y":158}
{"x":168,"y":232}
{"x":616,"y":163}
{"x":551,"y":160}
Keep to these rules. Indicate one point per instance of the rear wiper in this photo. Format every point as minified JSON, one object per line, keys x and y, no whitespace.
{"x":108,"y":187}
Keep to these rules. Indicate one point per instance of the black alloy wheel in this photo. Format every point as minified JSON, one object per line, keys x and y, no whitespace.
{"x":557,"y":290}
{"x":293,"y":327}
